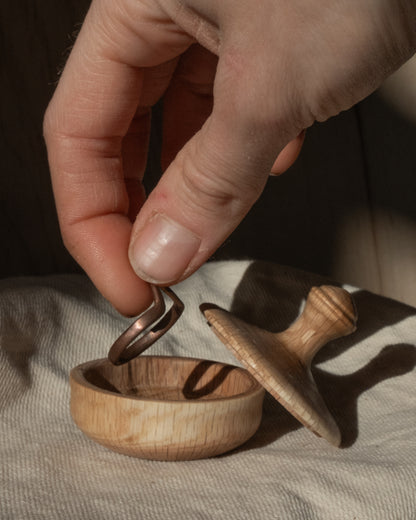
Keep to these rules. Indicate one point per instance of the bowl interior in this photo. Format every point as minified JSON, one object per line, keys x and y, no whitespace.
{"x":168,"y":378}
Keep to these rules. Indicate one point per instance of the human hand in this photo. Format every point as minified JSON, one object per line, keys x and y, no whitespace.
{"x":260,"y":74}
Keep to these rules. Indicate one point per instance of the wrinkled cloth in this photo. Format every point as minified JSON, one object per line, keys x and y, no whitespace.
{"x":49,"y":469}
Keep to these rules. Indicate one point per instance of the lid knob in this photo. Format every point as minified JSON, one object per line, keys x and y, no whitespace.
{"x":329,"y":313}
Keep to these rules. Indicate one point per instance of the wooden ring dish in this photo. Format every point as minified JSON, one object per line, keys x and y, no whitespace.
{"x":166,"y":408}
{"x":170,"y":408}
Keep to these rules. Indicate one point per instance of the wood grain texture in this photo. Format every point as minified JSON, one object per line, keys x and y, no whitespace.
{"x":282,"y":361}
{"x":166,"y":408}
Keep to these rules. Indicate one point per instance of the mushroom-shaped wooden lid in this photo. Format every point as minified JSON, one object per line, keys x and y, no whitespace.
{"x":281,"y":361}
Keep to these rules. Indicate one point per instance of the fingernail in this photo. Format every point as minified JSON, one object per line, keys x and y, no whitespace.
{"x":162,"y":251}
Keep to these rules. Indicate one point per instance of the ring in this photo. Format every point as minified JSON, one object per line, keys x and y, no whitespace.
{"x":127,"y":347}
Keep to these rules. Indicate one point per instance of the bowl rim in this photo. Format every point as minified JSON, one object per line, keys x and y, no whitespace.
{"x":77,"y":375}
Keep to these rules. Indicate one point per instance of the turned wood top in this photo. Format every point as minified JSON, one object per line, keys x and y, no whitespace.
{"x":281,"y":361}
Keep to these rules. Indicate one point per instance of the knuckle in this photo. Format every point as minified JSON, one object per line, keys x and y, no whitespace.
{"x":212,"y":188}
{"x":262,"y":99}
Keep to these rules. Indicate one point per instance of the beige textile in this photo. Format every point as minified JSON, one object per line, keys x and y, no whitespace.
{"x":50,"y":470}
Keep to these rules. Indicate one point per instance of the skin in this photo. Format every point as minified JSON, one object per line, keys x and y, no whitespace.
{"x":241,"y":82}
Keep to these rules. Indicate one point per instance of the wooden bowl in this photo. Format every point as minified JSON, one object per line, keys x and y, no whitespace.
{"x":166,"y":408}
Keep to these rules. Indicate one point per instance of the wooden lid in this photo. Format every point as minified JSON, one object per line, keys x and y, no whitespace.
{"x":281,"y":362}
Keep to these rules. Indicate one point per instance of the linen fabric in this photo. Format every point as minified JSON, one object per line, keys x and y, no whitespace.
{"x":50,"y":470}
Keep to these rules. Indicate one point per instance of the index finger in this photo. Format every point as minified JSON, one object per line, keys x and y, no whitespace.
{"x":90,"y":113}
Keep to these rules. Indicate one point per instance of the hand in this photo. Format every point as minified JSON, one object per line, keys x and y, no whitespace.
{"x":241,"y":81}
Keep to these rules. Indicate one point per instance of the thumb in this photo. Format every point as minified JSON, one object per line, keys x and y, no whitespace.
{"x":205,"y":193}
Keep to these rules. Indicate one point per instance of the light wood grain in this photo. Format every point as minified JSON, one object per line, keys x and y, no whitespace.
{"x":282,"y":361}
{"x":166,"y":408}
